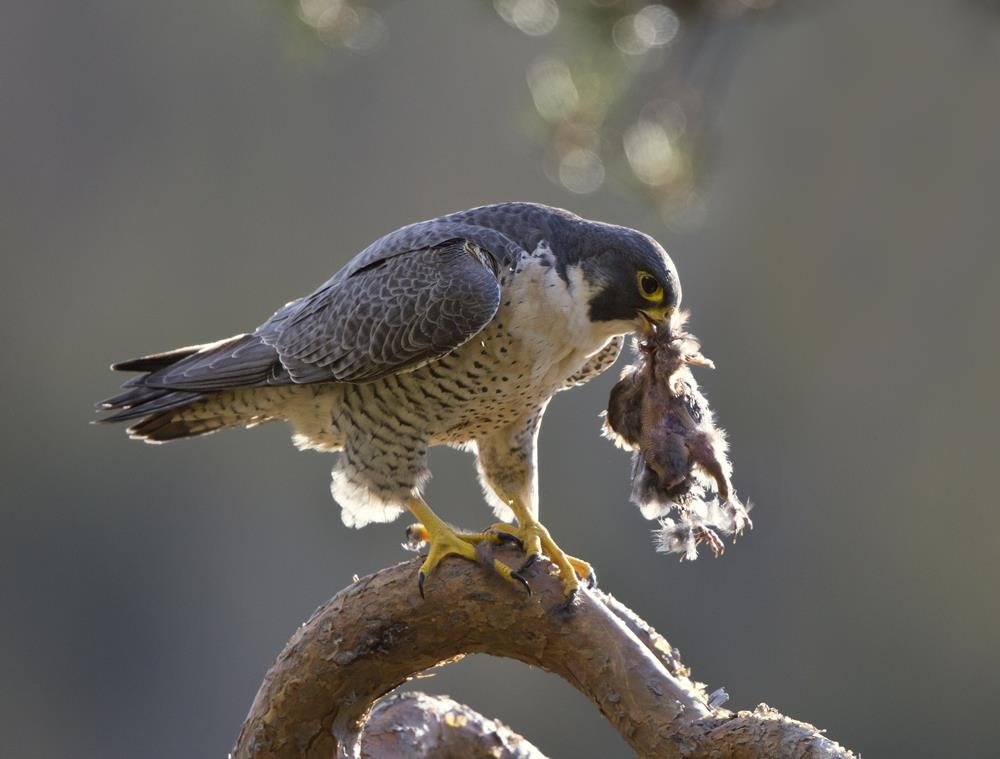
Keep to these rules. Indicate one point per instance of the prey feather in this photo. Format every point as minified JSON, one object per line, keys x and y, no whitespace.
{"x":681,"y":473}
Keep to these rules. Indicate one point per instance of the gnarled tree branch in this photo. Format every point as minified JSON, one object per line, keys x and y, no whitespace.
{"x":419,"y":726}
{"x":377,"y":633}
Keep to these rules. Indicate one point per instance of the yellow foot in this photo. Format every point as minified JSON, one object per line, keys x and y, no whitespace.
{"x":444,"y":541}
{"x":536,"y":541}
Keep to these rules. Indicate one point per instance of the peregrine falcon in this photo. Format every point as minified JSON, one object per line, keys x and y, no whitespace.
{"x":456,"y":331}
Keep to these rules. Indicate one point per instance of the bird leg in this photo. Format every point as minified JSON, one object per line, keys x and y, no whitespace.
{"x":443,"y":540}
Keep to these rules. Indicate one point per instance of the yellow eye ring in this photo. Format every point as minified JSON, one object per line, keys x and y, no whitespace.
{"x":649,"y":287}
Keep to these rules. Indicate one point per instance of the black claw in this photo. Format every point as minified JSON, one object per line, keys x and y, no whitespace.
{"x":567,"y":606}
{"x":529,"y":562}
{"x":592,"y":579}
{"x":420,"y":583}
{"x":517,"y":576}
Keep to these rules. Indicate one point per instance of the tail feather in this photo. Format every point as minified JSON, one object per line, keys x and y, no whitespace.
{"x":166,"y":407}
{"x":143,"y":401}
{"x":156,"y":361}
{"x":162,"y":428}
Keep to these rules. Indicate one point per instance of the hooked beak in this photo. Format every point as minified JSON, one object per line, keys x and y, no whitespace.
{"x":651,"y":319}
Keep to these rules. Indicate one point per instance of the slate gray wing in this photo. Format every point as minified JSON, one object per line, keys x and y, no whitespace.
{"x":409,"y":297}
{"x":391,"y":314}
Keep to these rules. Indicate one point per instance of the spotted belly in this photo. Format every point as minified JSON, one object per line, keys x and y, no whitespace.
{"x":540,"y":341}
{"x":467,"y":395}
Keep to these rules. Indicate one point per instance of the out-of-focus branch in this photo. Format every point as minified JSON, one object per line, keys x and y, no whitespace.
{"x":377,"y":633}
{"x":419,"y":726}
{"x":624,"y":93}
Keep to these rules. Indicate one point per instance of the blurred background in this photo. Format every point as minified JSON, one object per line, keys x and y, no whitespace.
{"x":826,"y":177}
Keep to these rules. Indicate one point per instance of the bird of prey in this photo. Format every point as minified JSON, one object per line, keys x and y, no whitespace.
{"x":456,"y":331}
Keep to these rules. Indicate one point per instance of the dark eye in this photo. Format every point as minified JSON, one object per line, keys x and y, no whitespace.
{"x":649,"y":286}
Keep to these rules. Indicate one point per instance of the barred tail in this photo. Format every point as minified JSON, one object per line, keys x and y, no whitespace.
{"x":164,"y":413}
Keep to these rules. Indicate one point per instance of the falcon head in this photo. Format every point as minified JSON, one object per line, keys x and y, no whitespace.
{"x":629,"y":277}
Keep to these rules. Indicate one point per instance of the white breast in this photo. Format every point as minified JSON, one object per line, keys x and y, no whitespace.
{"x":547,"y":318}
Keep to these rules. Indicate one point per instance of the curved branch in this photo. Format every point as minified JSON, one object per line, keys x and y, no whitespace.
{"x":420,"y":726}
{"x":378,"y":632}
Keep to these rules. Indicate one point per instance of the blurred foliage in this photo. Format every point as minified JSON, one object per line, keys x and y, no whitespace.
{"x":622,"y":96}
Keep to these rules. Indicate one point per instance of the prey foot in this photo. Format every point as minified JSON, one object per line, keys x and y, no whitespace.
{"x":711,"y":538}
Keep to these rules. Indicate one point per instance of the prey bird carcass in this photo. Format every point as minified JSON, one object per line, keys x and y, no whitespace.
{"x":681,"y":474}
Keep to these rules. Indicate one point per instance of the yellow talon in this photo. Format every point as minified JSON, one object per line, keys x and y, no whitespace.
{"x":443,"y":541}
{"x":533,"y":537}
{"x":537,"y":541}
{"x":584,"y":570}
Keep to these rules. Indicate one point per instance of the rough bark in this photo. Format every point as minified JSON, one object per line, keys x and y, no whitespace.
{"x":378,"y":632}
{"x":419,"y":726}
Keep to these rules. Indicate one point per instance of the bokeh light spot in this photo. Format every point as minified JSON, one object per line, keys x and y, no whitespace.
{"x":338,"y":23}
{"x":551,"y":84}
{"x":534,"y":17}
{"x":581,"y":171}
{"x":653,"y":26}
{"x":651,"y":153}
